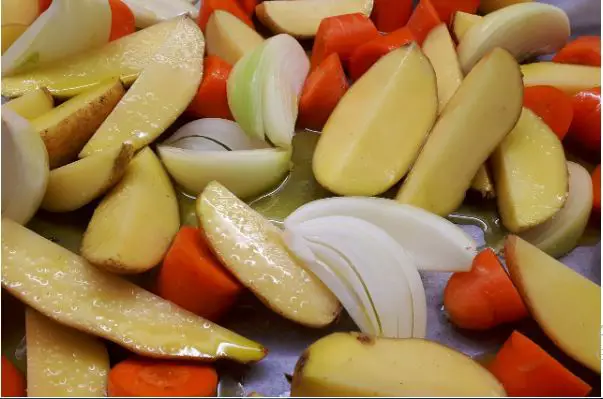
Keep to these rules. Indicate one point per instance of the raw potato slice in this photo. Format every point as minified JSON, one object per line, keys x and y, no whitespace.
{"x":530,"y":174}
{"x":32,"y":104}
{"x":253,"y":250}
{"x":10,"y":34}
{"x":352,"y":364}
{"x":161,"y":93}
{"x":123,"y":58}
{"x":64,"y":287}
{"x":301,"y":18}
{"x":376,"y":131}
{"x":482,"y":183}
{"x":62,"y":361}
{"x":462,"y":22}
{"x":525,"y":30}
{"x":229,"y":38}
{"x":566,"y":305}
{"x":489,"y":100}
{"x":72,"y":186}
{"x":567,"y":77}
{"x":133,"y":226}
{"x":68,"y":127}
{"x":560,"y":234}
{"x":151,"y":12}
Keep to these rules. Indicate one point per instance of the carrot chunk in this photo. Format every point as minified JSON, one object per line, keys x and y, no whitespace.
{"x":389,"y":15}
{"x":122,"y":20}
{"x":585,"y":130}
{"x":211,"y":100}
{"x":13,"y":382}
{"x":552,"y":105}
{"x":424,"y":18}
{"x":447,"y":8}
{"x":596,"y":177}
{"x":230,"y":6}
{"x":585,"y":50}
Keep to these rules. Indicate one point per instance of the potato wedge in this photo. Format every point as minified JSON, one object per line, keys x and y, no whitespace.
{"x":62,"y":361}
{"x":567,"y":77}
{"x":462,"y":22}
{"x":74,"y":185}
{"x":482,"y":183}
{"x":133,"y":226}
{"x":229,"y":38}
{"x":64,"y":287}
{"x":66,"y":129}
{"x":32,"y":104}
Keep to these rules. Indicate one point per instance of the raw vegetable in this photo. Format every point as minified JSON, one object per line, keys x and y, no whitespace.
{"x":389,"y":15}
{"x":585,"y":50}
{"x":424,"y":18}
{"x":525,"y":369}
{"x":585,"y":130}
{"x":248,"y":6}
{"x":447,"y":8}
{"x":211,"y":100}
{"x":230,"y":6}
{"x":192,"y":277}
{"x":229,"y":38}
{"x":483,"y":297}
{"x":322,"y":91}
{"x":44,"y":4}
{"x":13,"y":382}
{"x":122,"y":20}
{"x":567,"y":77}
{"x":552,"y":105}
{"x":596,"y":177}
{"x":32,"y":104}
{"x":150,"y":12}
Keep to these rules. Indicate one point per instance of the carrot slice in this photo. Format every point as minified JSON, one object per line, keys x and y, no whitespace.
{"x":585,"y":130}
{"x":211,"y":100}
{"x":424,"y":18}
{"x":585,"y":50}
{"x":341,"y":34}
{"x":43,"y":5}
{"x":323,"y":89}
{"x":248,"y":6}
{"x":230,"y":6}
{"x":447,"y":8}
{"x":366,"y":55}
{"x":122,"y":20}
{"x":483,"y":297}
{"x":156,"y":378}
{"x":13,"y":382}
{"x":193,"y":278}
{"x":525,"y":369}
{"x":389,"y":15}
{"x":596,"y":177}
{"x":552,"y":105}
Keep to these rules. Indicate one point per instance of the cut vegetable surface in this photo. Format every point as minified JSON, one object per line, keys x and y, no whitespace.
{"x":585,"y":50}
{"x":462,"y":22}
{"x":566,"y":77}
{"x":13,"y":381}
{"x":447,"y":8}
{"x":424,"y":18}
{"x":211,"y":100}
{"x":32,"y":104}
{"x":229,"y":38}
{"x":122,"y":19}
{"x":585,"y":130}
{"x":150,"y":12}
{"x":389,"y":15}
{"x":552,"y":105}
{"x":230,"y":6}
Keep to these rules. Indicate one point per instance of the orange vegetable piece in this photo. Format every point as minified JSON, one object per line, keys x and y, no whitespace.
{"x":193,"y":278}
{"x":447,"y":8}
{"x":230,"y":6}
{"x":389,"y":15}
{"x":552,"y":105}
{"x":366,"y":55}
{"x":525,"y":369}
{"x":341,"y":34}
{"x":585,"y":130}
{"x":158,"y":378}
{"x":43,"y":5}
{"x":596,"y":177}
{"x":424,"y":18}
{"x":585,"y":50}
{"x":322,"y":91}
{"x":248,"y":6}
{"x":13,"y":382}
{"x":122,"y":20}
{"x":484,"y":297}
{"x":211,"y":100}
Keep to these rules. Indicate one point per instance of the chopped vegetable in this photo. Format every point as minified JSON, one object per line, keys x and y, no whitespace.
{"x":447,"y":8}
{"x":13,"y":382}
{"x":596,"y":177}
{"x":585,"y":50}
{"x":525,"y":369}
{"x":230,"y":6}
{"x":322,"y":91}
{"x":424,"y":18}
{"x":248,"y":6}
{"x":483,"y":297}
{"x":193,"y":278}
{"x":44,"y":4}
{"x":211,"y":100}
{"x":122,"y":20}
{"x":552,"y":105}
{"x":341,"y":34}
{"x":585,"y":130}
{"x":154,"y":378}
{"x":389,"y":15}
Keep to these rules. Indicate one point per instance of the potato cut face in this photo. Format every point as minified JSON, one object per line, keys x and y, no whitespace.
{"x":229,"y":38}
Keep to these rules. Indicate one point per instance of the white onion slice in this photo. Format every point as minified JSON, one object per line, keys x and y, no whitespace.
{"x":151,"y":12}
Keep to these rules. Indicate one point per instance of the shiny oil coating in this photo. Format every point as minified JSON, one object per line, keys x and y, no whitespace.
{"x":62,"y":361}
{"x":64,"y":287}
{"x":252,"y":249}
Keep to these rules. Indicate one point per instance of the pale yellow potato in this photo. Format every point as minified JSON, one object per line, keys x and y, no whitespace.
{"x":353,"y":364}
{"x":133,"y":226}
{"x":62,"y":361}
{"x":300,"y":18}
{"x":566,"y":77}
{"x":32,"y":104}
{"x":489,"y":100}
{"x":66,"y":288}
{"x":229,"y":38}
{"x":158,"y":97}
{"x":487,"y":6}
{"x":482,"y":182}
{"x":376,"y":131}
{"x":462,"y":22}
{"x":530,"y":174}
{"x":10,"y":34}
{"x":66,"y":128}
{"x":252,"y":249}
{"x":74,"y":185}
{"x":566,"y":305}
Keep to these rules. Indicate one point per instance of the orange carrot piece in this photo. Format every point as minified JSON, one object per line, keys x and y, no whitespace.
{"x":366,"y":55}
{"x":341,"y":34}
{"x":389,"y":15}
{"x":13,"y":382}
{"x":552,"y":105}
{"x":211,"y":100}
{"x":122,"y":20}
{"x":596,"y":177}
{"x":585,"y":130}
{"x":447,"y":8}
{"x":231,"y":6}
{"x":585,"y":50}
{"x":43,"y":5}
{"x":322,"y":91}
{"x":525,"y":369}
{"x":248,"y":6}
{"x":483,"y":297}
{"x":193,"y":278}
{"x":424,"y":18}
{"x":159,"y":378}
